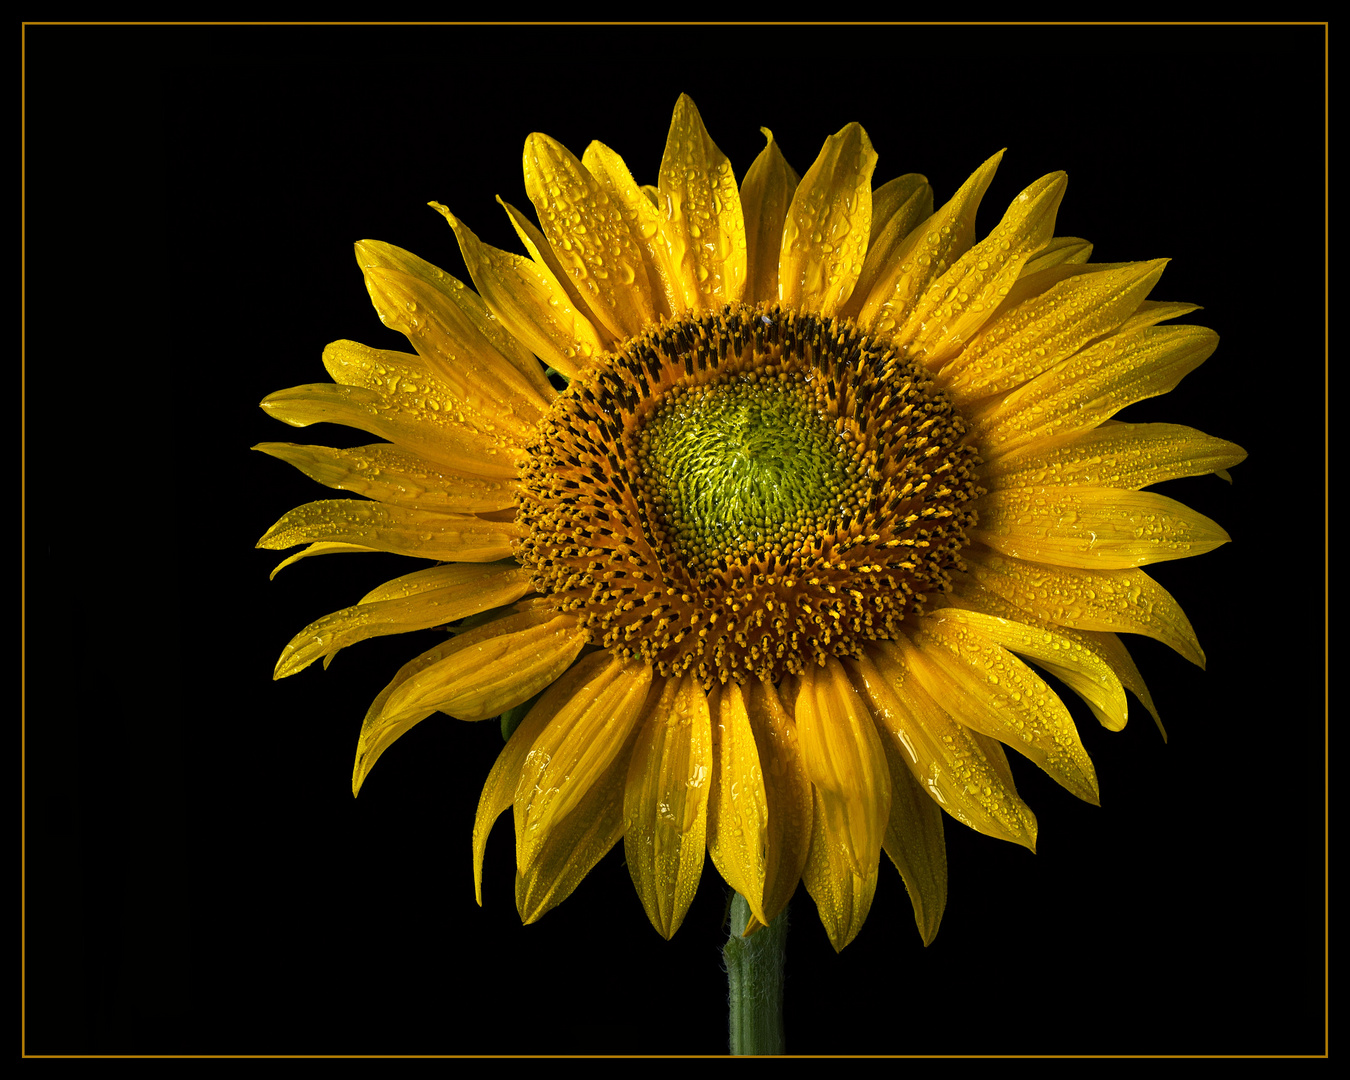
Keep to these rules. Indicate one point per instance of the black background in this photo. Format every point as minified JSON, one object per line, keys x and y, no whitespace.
{"x":198,"y":877}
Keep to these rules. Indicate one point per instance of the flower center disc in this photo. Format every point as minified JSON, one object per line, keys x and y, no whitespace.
{"x":746,"y":465}
{"x":747,"y":493}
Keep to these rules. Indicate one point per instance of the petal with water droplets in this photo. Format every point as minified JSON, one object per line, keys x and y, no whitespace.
{"x":1028,"y":336}
{"x":787,"y":794}
{"x":1129,"y":456}
{"x":1126,"y":600}
{"x":915,"y":845}
{"x":766,"y":194}
{"x":1003,"y":698}
{"x":485,"y":671}
{"x":828,"y":224}
{"x":464,"y":310}
{"x":390,"y":475}
{"x":701,"y":221}
{"x":408,"y":417}
{"x":665,"y":806}
{"x":1080,"y":669}
{"x":898,"y":208}
{"x":589,"y":237}
{"x":499,"y":790}
{"x":1091,"y":386}
{"x":844,"y":760}
{"x":425,"y":683}
{"x":942,"y":755}
{"x":528,"y":300}
{"x":959,"y":302}
{"x":924,"y":254}
{"x":737,"y":804}
{"x":574,"y":750}
{"x":1092,"y":528}
{"x":419,"y":533}
{"x":843,"y":897}
{"x":430,"y":598}
{"x":644,"y":222}
{"x":490,"y":391}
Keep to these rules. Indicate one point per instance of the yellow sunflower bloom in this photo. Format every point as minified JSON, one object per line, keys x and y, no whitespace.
{"x":827,"y":472}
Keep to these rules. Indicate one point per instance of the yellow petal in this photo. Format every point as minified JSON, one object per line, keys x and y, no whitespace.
{"x":375,"y":737}
{"x":1002,"y":698}
{"x":1127,"y":600}
{"x":737,"y":804}
{"x":701,"y":222}
{"x":489,"y":669}
{"x":644,"y":221}
{"x":432,"y":597}
{"x":970,"y":593}
{"x":575,"y":749}
{"x":317,"y":549}
{"x":666,"y":801}
{"x":843,"y":897}
{"x":787,"y":794}
{"x":941,"y":755}
{"x":898,"y":208}
{"x":1092,"y":528}
{"x":1152,"y":312}
{"x":827,"y":226}
{"x":925,"y":254}
{"x":915,"y":844}
{"x":589,"y":236}
{"x":1130,"y":456}
{"x":957,"y":304}
{"x":387,"y":474}
{"x":843,"y":758}
{"x":419,"y":533}
{"x":419,"y":301}
{"x":528,"y":300}
{"x":1078,"y":668}
{"x":1093,"y":385}
{"x":383,"y":725}
{"x":766,"y":194}
{"x":499,"y":791}
{"x":539,"y":249}
{"x":1111,"y":649}
{"x":349,"y":363}
{"x":415,"y":423}
{"x":489,"y":391}
{"x":464,"y":309}
{"x":993,"y":753}
{"x":1024,"y":339}
{"x":575,"y":844}
{"x":1058,"y":251}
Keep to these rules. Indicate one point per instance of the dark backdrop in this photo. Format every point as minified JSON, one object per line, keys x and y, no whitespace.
{"x":198,"y":876}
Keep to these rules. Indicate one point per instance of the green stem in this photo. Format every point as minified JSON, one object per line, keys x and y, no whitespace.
{"x":755,"y":982}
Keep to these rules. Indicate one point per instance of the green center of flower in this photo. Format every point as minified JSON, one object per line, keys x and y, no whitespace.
{"x":745,"y":464}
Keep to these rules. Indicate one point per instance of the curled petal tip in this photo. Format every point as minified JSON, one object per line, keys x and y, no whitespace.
{"x":358,"y":773}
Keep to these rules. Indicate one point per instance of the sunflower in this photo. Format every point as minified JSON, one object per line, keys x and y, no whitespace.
{"x":761,"y":556}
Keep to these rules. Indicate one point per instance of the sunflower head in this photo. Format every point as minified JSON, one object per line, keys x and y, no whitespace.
{"x":821,"y":471}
